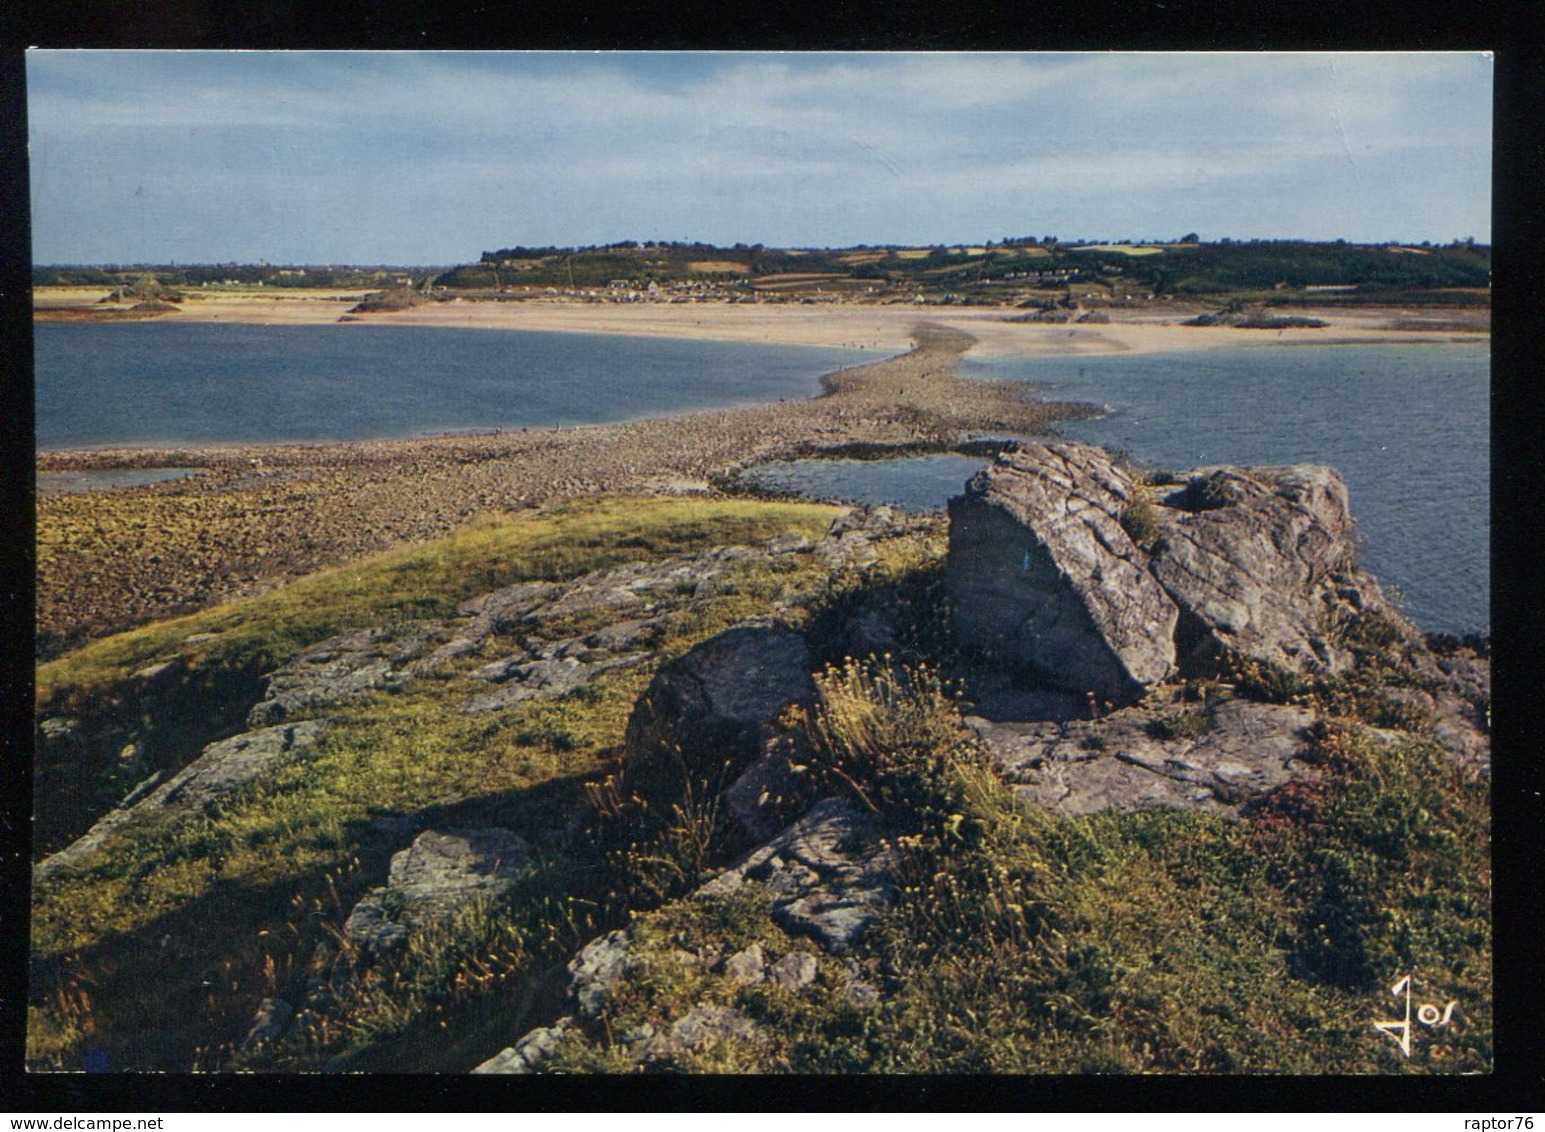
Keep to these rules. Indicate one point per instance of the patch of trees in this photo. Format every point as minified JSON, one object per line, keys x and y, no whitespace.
{"x":1213,"y":268}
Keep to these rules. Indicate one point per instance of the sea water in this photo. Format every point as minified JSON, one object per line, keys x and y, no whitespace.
{"x":1407,"y":426}
{"x":153,"y":384}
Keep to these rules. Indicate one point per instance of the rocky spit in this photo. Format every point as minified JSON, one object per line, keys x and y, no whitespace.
{"x":256,"y":517}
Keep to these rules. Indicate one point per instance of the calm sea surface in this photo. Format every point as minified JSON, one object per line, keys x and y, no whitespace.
{"x":209,"y":383}
{"x":1408,"y":427}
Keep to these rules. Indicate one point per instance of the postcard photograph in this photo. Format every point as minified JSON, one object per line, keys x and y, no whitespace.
{"x":761,"y":563}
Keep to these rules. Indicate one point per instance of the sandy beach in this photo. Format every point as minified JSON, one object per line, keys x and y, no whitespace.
{"x":885,"y":328}
{"x":254,"y":517}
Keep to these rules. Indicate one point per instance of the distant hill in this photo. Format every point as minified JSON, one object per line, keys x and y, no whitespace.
{"x":1020,"y":271}
{"x":1175,"y":269}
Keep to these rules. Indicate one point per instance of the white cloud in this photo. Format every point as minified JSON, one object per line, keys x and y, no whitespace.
{"x":959,"y":141}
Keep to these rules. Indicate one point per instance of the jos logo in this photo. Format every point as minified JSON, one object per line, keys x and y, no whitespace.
{"x":1427,"y":1014}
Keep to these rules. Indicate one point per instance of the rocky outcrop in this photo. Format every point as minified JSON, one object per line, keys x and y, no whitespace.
{"x":1227,"y":563}
{"x":338,"y":670}
{"x":1214,"y":758}
{"x":534,"y":679}
{"x":528,"y":1054}
{"x":442,"y":871}
{"x":222,"y":769}
{"x":1260,"y":563}
{"x":826,"y":877}
{"x":1042,"y":576}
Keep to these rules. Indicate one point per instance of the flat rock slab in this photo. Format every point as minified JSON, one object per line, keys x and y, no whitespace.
{"x":221,"y":769}
{"x":442,"y":871}
{"x":640,"y":589}
{"x":827,"y":875}
{"x":543,"y":679}
{"x":338,"y":670}
{"x":1122,"y":762}
{"x":503,"y":610}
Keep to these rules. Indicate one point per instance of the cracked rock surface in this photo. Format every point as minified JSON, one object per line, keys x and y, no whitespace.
{"x":221,"y":769}
{"x":1129,"y":760}
{"x":828,"y":877}
{"x":442,"y":871}
{"x":339,"y":669}
{"x":827,"y":874}
{"x":1042,"y":574}
{"x":1236,"y":563}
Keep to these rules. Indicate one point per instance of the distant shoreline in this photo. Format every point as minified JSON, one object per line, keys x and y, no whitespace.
{"x":1154,"y":328}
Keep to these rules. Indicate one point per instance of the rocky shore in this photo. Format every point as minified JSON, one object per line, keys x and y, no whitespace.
{"x":255,"y":517}
{"x":712,"y":811}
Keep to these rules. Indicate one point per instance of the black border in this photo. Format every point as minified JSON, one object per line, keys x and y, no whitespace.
{"x":1511,"y":29}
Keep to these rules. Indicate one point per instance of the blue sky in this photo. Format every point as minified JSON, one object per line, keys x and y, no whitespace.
{"x":314,"y":157}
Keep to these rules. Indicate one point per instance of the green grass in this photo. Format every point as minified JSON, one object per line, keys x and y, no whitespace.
{"x":223,"y":652}
{"x":1149,"y":942}
{"x":428,"y":581}
{"x":287,"y":856}
{"x":1022,"y":941}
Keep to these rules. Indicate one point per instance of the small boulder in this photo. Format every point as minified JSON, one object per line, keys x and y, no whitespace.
{"x":714,"y":705}
{"x":748,"y":966}
{"x":598,"y":968}
{"x":442,"y":871}
{"x":794,"y":971}
{"x":528,"y":1054}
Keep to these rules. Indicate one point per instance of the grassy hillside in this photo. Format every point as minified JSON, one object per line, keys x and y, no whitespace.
{"x":1023,"y":941}
{"x":268,"y":876}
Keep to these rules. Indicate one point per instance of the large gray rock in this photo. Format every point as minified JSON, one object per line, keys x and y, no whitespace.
{"x":713,"y":705}
{"x":1042,"y":576}
{"x":1255,"y":564}
{"x":221,"y":769}
{"x":1256,"y":561}
{"x":596,"y":971}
